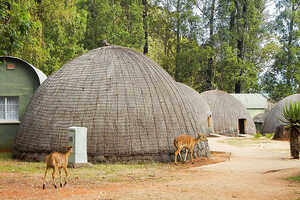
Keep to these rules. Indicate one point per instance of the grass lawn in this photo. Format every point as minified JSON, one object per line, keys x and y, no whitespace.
{"x":294,"y":178}
{"x":243,"y":142}
{"x":139,"y":171}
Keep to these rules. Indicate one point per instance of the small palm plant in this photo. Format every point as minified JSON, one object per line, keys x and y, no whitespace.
{"x":291,"y":115}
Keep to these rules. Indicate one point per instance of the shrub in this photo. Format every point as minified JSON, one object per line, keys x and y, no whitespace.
{"x":269,"y":135}
{"x":258,"y":135}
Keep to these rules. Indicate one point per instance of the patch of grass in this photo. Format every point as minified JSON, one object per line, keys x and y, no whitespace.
{"x":115,"y":172}
{"x":5,"y":156}
{"x":244,"y":142}
{"x":118,"y":172}
{"x":258,"y":135}
{"x":269,"y":135}
{"x":8,"y":164}
{"x":294,"y":178}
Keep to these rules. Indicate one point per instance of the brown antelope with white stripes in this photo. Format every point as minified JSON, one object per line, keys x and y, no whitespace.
{"x":187,"y":142}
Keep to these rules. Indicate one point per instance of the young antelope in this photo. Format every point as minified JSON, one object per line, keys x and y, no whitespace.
{"x":57,"y":161}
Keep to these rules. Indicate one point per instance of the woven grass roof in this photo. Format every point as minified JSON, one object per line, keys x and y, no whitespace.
{"x":272,"y":119}
{"x":259,"y":118}
{"x":129,"y":104}
{"x":201,"y":107}
{"x":226,"y":112}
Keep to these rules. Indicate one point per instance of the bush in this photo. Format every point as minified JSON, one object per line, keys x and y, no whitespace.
{"x":269,"y":135}
{"x":258,"y":135}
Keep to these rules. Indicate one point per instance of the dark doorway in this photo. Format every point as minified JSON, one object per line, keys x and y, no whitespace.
{"x":208,"y":121}
{"x":242,"y":126}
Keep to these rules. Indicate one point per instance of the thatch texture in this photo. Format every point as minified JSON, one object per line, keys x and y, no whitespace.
{"x":200,"y":106}
{"x":132,"y":108}
{"x":259,"y":118}
{"x":272,"y":120}
{"x":226,"y":113}
{"x":259,"y":121}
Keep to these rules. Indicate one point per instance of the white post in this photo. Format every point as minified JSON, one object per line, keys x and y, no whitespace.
{"x":78,"y":140}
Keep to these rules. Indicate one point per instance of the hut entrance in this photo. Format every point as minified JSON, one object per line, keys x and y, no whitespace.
{"x":242,"y":126}
{"x":208,"y":121}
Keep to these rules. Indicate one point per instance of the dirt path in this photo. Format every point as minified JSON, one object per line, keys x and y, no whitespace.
{"x":254,"y":172}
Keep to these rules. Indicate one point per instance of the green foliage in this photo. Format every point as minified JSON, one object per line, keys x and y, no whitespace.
{"x":294,"y":178}
{"x":282,"y":77}
{"x":119,"y":22}
{"x":5,"y":156}
{"x":63,"y":29}
{"x":258,"y":135}
{"x":206,"y":44}
{"x":291,"y":115}
{"x":269,"y":135}
{"x":46,"y":34}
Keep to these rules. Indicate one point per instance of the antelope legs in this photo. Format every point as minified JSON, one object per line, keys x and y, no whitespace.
{"x":60,"y":178}
{"x":44,"y":179}
{"x":54,"y":176}
{"x":67,"y":175}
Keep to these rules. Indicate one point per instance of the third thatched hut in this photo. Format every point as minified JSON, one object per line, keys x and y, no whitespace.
{"x":230,"y":117}
{"x":272,"y":123}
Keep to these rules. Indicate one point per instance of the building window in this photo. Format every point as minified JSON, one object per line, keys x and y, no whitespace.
{"x":9,"y":108}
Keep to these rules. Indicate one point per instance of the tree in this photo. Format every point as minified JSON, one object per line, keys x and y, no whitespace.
{"x":291,"y":115}
{"x":145,"y":25}
{"x":209,"y":10}
{"x":45,"y":33}
{"x":119,"y":22}
{"x":62,"y":30}
{"x":180,"y":23}
{"x":282,"y":78}
{"x":244,"y":35}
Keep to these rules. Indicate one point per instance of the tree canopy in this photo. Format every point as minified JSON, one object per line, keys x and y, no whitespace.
{"x":232,"y":45}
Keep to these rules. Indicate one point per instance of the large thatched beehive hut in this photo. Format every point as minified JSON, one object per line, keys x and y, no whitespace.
{"x":131,"y":107}
{"x":229,"y":115}
{"x":272,"y":123}
{"x":200,"y":106}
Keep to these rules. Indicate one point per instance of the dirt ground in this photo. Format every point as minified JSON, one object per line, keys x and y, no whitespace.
{"x":247,"y":171}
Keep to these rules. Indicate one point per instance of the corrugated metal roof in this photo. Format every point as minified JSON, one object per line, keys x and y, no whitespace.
{"x":254,"y":100}
{"x":42,"y":77}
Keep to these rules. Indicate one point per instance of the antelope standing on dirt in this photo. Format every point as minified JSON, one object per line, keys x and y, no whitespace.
{"x":57,"y":161}
{"x":187,"y":142}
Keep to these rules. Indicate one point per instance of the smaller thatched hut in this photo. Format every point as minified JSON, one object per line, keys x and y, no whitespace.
{"x":230,"y":117}
{"x":259,"y":121}
{"x":272,"y":123}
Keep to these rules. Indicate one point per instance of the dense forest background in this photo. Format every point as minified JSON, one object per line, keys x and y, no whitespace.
{"x":239,"y":46}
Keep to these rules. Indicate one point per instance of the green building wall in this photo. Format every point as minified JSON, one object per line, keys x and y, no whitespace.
{"x":254,"y":111}
{"x":22,"y":81}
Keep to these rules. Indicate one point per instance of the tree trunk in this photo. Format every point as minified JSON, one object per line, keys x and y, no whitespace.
{"x":289,"y":47}
{"x":240,"y":42}
{"x":178,"y":22}
{"x":209,"y":78}
{"x":145,"y":23}
{"x":294,"y":143}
